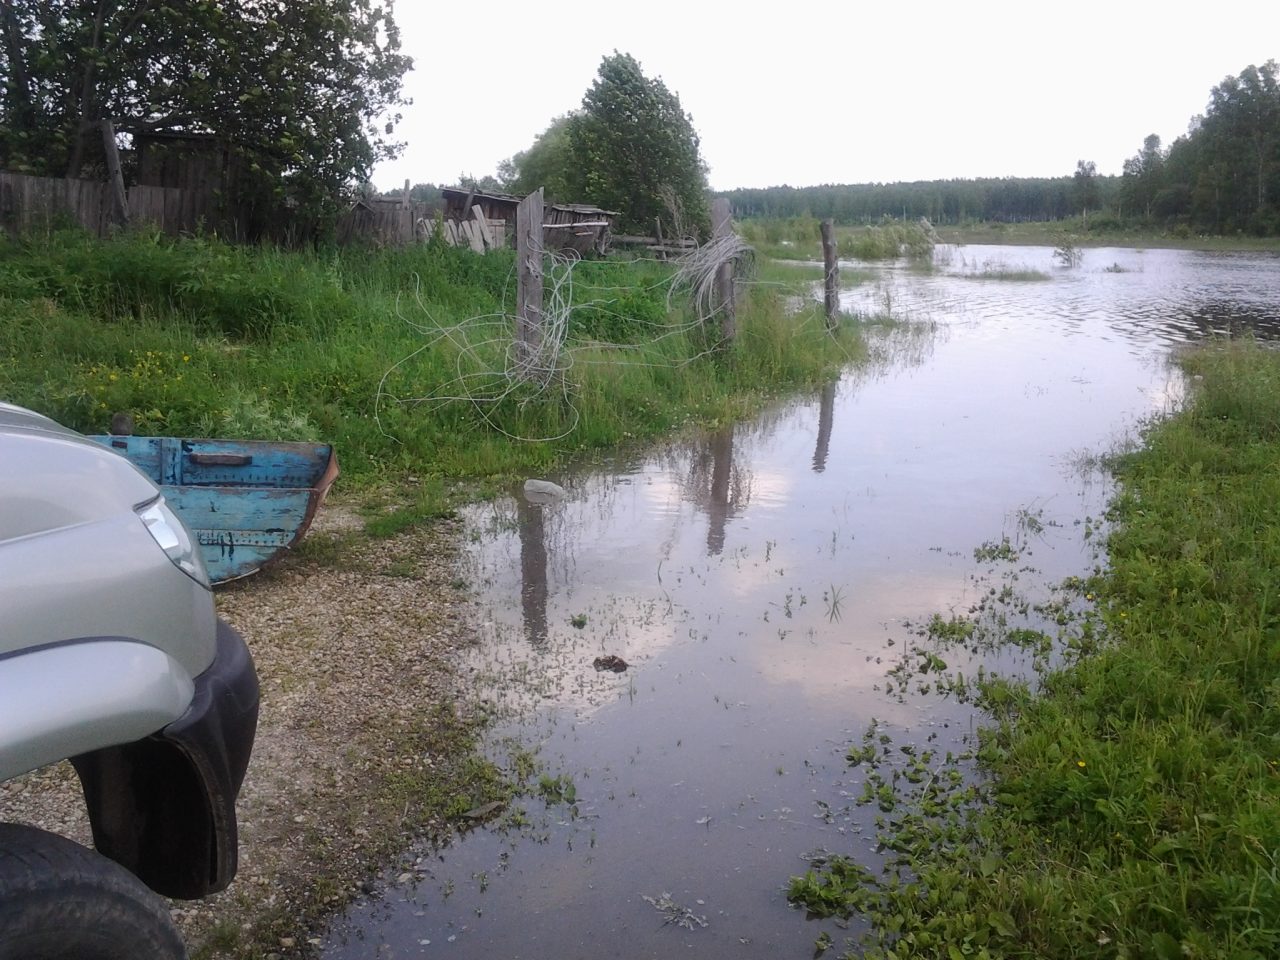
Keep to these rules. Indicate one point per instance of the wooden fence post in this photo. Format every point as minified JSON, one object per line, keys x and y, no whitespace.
{"x":119,"y":198}
{"x":528,"y":280}
{"x":722,"y":226}
{"x":831,"y":280}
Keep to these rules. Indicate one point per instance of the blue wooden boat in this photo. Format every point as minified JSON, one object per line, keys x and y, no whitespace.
{"x":246,"y":501}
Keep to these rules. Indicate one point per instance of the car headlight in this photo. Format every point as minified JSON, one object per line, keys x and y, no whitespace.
{"x":172,"y":537}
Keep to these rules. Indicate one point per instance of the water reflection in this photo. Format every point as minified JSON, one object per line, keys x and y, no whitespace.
{"x":826,"y":414}
{"x":716,"y":567}
{"x":718,"y":485}
{"x":533,"y":569}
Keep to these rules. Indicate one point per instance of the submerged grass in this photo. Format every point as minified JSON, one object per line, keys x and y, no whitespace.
{"x":1129,"y":806}
{"x":395,"y":356}
{"x":1007,"y":275}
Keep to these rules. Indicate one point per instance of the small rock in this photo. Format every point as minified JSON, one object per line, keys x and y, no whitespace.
{"x":543,"y":491}
{"x":610,"y":662}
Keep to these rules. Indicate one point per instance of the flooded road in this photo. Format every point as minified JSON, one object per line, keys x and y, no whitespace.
{"x":760,"y":583}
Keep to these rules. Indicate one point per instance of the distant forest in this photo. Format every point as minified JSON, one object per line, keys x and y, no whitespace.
{"x":1222,"y":176}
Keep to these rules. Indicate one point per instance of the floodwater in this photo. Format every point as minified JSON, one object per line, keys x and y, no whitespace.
{"x":760,"y":581}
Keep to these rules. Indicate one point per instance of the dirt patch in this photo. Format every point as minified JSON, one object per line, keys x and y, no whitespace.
{"x":362,"y":739}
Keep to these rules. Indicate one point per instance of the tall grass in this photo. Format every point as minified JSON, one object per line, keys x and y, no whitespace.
{"x":195,"y":337}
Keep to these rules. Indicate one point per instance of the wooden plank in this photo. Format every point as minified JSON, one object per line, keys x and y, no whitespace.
{"x":482,"y":225}
{"x":472,"y":231}
{"x":528,"y":281}
{"x":120,"y":211}
{"x":498,"y":230}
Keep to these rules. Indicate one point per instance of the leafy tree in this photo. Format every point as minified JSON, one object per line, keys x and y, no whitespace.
{"x":1088,"y":195}
{"x":631,"y":141}
{"x":297,"y":87}
{"x":425,"y":193}
{"x":1240,"y":136}
{"x":1144,"y":177}
{"x":547,"y":164}
{"x":486,"y":184}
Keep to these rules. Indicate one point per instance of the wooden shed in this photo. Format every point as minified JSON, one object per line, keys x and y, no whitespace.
{"x":566,"y":226}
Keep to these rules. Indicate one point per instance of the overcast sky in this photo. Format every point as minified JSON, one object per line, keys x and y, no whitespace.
{"x":808,"y":92}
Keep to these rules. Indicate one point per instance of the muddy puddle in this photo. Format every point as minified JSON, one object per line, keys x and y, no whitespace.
{"x":760,"y":582}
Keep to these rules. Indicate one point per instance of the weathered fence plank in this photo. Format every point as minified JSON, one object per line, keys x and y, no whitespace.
{"x":119,"y":199}
{"x":482,"y":225}
{"x":529,"y":281}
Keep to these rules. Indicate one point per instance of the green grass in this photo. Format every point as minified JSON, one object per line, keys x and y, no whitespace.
{"x":1129,"y":806}
{"x":1007,"y":275}
{"x":395,"y":356}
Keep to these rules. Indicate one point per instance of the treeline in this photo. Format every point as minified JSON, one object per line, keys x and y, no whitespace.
{"x":1222,"y":176}
{"x":1010,"y":199}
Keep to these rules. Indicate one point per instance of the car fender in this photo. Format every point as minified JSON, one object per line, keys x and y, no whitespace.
{"x":73,"y":697}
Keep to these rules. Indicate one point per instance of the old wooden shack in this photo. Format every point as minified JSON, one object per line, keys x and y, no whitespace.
{"x":566,"y":226}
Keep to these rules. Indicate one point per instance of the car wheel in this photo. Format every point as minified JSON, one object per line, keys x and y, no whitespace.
{"x":60,"y":901}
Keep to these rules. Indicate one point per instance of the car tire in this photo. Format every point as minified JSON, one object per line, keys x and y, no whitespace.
{"x":60,"y":901}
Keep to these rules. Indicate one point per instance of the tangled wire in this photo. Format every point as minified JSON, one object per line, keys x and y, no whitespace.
{"x":536,"y":364}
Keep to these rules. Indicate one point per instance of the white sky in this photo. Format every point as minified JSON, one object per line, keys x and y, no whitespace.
{"x":812,"y":92}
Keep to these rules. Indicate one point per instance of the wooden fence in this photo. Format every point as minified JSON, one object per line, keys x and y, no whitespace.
{"x":40,"y":204}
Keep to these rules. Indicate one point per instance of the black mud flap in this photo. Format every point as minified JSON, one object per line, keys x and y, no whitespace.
{"x":164,"y":807}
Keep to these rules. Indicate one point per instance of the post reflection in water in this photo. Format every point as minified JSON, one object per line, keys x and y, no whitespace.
{"x":533,"y":569}
{"x":826,"y":415}
{"x":717,"y":485}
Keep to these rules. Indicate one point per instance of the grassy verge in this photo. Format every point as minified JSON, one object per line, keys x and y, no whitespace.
{"x":1129,"y":805}
{"x":398,"y":357}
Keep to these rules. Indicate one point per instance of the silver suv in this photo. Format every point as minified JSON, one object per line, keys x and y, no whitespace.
{"x":111,"y":656}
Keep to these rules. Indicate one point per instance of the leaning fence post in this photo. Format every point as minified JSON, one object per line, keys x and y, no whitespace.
{"x":722,"y":226}
{"x":831,"y":281}
{"x":119,"y":197}
{"x":528,"y":280}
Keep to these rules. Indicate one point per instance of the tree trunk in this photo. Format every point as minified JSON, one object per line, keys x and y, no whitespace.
{"x":86,"y":123}
{"x":22,"y":109}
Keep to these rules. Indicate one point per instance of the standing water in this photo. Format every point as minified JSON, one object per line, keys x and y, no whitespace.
{"x":759,"y":584}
